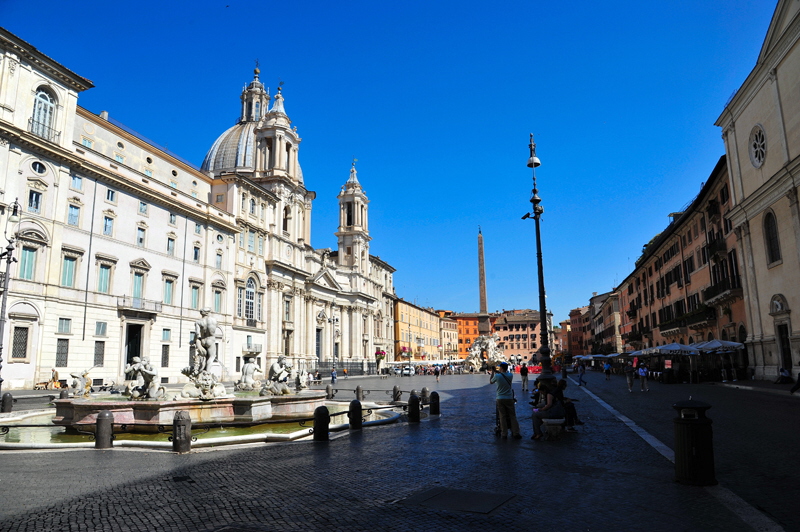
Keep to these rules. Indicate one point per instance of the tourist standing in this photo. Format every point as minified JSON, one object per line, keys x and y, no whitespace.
{"x":607,"y":370}
{"x":504,"y":400}
{"x":523,"y":375}
{"x":643,"y":378}
{"x":345,"y":372}
{"x":581,"y":373}
{"x":629,"y":375}
{"x":333,"y":376}
{"x":436,"y":373}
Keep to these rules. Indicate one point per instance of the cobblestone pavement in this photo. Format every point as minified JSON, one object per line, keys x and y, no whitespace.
{"x":446,"y":473}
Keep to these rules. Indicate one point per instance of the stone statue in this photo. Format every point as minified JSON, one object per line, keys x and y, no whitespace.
{"x":248,"y":381}
{"x":301,"y":381}
{"x":279,"y":373}
{"x":203,"y":384}
{"x":81,"y":384}
{"x":487,"y":344}
{"x":146,"y":386}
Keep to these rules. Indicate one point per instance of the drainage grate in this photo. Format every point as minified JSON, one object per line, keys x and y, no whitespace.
{"x":458,"y":500}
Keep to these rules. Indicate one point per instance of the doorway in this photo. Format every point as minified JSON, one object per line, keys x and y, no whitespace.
{"x":785,"y":346}
{"x":133,"y":341}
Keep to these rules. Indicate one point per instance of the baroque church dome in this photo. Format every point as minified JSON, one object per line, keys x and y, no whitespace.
{"x":235,"y":147}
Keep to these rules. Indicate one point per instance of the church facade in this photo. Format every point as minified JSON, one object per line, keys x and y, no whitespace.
{"x":121,"y":243}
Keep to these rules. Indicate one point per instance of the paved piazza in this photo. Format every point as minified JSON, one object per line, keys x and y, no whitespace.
{"x":447,"y":473}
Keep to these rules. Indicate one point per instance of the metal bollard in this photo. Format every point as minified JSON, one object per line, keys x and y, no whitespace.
{"x":104,"y":430}
{"x":359,"y":393}
{"x":435,"y":404}
{"x":8,"y":402}
{"x":182,"y":432}
{"x":329,"y":392}
{"x":425,"y":397}
{"x":397,"y":395}
{"x":413,"y":408}
{"x":64,"y":394}
{"x":694,"y":449}
{"x":322,"y":423}
{"x":355,"y":415}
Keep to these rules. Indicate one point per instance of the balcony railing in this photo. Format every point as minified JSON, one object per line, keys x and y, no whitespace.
{"x":251,"y":348}
{"x":137,"y":303}
{"x":42,"y":130}
{"x":722,"y":287}
{"x":700,"y":315}
{"x":252,"y":323}
{"x":717,"y":247}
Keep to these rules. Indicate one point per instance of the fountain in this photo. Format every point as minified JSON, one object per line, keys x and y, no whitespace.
{"x":147,"y":406}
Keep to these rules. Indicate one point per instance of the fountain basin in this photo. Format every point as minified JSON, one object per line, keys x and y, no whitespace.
{"x":146,"y":416}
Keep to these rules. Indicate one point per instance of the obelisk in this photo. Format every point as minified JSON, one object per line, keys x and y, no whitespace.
{"x":484,"y":325}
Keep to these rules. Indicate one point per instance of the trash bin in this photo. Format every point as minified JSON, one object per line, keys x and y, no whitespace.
{"x":694,"y":449}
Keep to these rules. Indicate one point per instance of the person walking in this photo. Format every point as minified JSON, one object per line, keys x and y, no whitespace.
{"x":523,"y":375}
{"x":629,"y":375}
{"x":504,"y":400}
{"x":581,"y":373}
{"x":643,"y":378}
{"x":607,"y":370}
{"x":345,"y":372}
{"x":436,"y":373}
{"x":333,"y":376}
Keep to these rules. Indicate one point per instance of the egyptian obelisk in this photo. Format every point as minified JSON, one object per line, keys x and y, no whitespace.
{"x":484,"y":326}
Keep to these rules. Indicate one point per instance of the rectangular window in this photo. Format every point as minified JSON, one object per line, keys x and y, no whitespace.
{"x":77,"y":182}
{"x":86,"y":142}
{"x":196,"y":254}
{"x":142,"y":207}
{"x":261,"y":245}
{"x":108,"y":226}
{"x":103,"y":278}
{"x":111,"y":195}
{"x":62,"y":352}
{"x":218,"y":261}
{"x":251,"y":241}
{"x":148,"y":172}
{"x":19,"y":349}
{"x":64,"y":325}
{"x":68,"y":271}
{"x":166,"y":335}
{"x":259,"y":305}
{"x":119,"y":158}
{"x":173,"y":184}
{"x":34,"y":201}
{"x":170,"y":247}
{"x":140,"y":236}
{"x":287,"y":309}
{"x":73,"y":215}
{"x":165,"y":355}
{"x":100,"y":328}
{"x":195,"y":297}
{"x":99,"y":353}
{"x":27,"y":263}
{"x":194,"y":193}
{"x":217,"y":301}
{"x":138,"y":285}
{"x":197,"y":228}
{"x":173,"y":219}
{"x":168,"y":286}
{"x":239,"y":300}
{"x":220,"y":198}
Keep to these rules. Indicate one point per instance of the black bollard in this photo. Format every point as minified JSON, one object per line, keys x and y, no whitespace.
{"x":322,"y":423}
{"x":425,"y":397}
{"x":413,"y":408}
{"x":64,"y":394}
{"x":359,"y":393}
{"x":435,"y":404}
{"x":355,"y":414}
{"x":397,"y":394}
{"x":8,"y":402}
{"x":329,"y":392}
{"x":182,"y":432}
{"x":104,"y":430}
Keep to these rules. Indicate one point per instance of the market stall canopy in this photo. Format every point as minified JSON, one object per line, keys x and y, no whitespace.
{"x":720,"y":346}
{"x":671,"y":349}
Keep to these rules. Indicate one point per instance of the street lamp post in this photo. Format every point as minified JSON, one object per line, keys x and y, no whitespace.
{"x":8,"y":254}
{"x":544,"y":350}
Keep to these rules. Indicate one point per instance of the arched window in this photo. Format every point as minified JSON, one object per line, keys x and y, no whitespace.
{"x":44,"y":106}
{"x":258,"y":111}
{"x":252,"y":206}
{"x":287,"y":215}
{"x":771,"y":238}
{"x":249,"y":299}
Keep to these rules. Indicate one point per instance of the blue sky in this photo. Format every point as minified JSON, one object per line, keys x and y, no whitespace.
{"x":436,"y":101}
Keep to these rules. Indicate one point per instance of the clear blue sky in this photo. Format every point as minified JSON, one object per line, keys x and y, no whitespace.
{"x":436,"y":100}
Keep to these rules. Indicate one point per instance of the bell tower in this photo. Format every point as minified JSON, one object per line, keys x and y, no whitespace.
{"x":353,"y":233}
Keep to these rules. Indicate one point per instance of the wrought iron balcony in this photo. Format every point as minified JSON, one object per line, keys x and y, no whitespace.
{"x":252,"y":323}
{"x":724,"y":289}
{"x":251,"y":348}
{"x":137,"y":303}
{"x":717,"y":248}
{"x":43,"y":130}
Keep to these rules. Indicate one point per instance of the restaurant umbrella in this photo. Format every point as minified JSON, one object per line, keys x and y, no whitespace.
{"x":720,"y":345}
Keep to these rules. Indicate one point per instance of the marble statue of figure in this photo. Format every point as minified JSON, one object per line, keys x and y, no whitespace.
{"x":487,"y":344}
{"x":145,"y":374}
{"x":81,"y":385}
{"x":248,"y":381}
{"x":279,"y":373}
{"x":205,"y":346}
{"x":301,"y":380}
